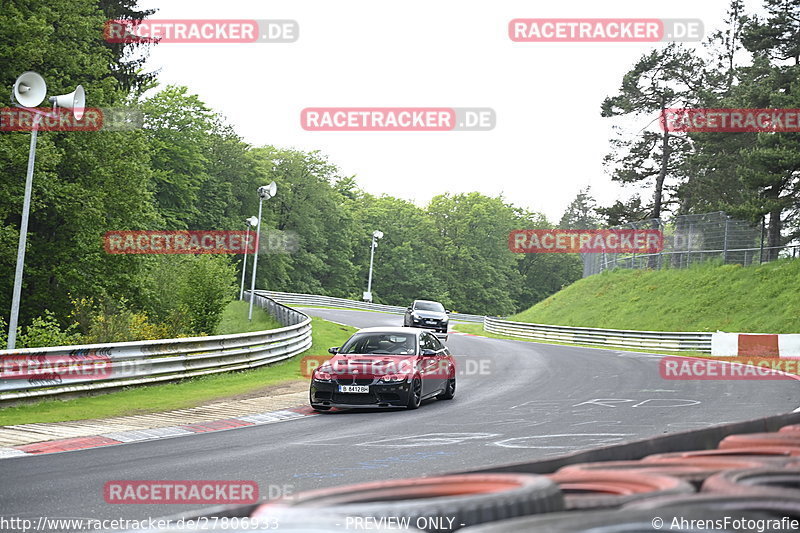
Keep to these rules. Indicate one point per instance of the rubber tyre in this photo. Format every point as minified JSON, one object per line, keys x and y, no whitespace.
{"x":414,"y":398}
{"x":695,"y":470}
{"x":468,"y":498}
{"x":321,"y":408}
{"x":605,"y":489}
{"x":778,"y":455}
{"x":450,"y":389}
{"x":775,"y":482}
{"x":770,"y":504}
{"x":760,"y":439}
{"x":617,"y":521}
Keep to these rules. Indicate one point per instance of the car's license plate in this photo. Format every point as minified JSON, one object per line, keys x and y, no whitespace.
{"x":359,"y":389}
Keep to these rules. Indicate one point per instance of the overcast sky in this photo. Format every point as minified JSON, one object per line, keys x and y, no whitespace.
{"x":549,"y":141}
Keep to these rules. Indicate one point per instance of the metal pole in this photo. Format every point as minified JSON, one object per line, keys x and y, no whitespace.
{"x":761,"y":247}
{"x":23,"y":238}
{"x":244,"y":265}
{"x":725,"y":244}
{"x":371,"y":259}
{"x":255,"y":261}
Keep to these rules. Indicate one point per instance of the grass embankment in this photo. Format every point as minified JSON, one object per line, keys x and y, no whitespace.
{"x":755,"y":299}
{"x":190,"y":392}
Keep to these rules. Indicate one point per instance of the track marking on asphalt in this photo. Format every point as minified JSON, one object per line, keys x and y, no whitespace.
{"x":587,"y":440}
{"x":429,"y":439}
{"x":667,"y":402}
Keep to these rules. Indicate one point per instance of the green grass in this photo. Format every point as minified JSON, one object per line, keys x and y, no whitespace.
{"x":756,"y":299}
{"x":179,"y":395}
{"x":234,"y":319}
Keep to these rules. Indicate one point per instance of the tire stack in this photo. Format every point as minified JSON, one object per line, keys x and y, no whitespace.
{"x":750,"y":480}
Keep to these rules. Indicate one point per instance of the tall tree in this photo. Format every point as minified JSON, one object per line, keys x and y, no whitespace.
{"x":662,"y":79}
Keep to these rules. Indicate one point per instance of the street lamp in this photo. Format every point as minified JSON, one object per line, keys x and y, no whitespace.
{"x":377,"y":234}
{"x":265,"y":191}
{"x":29,"y":91}
{"x":250,"y":222}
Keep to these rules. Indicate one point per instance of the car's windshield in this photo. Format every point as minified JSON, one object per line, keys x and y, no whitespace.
{"x":429,"y":306}
{"x":380,"y":343}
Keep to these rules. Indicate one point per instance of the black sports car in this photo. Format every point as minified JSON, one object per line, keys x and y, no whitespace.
{"x":427,"y":314}
{"x":384,"y":367}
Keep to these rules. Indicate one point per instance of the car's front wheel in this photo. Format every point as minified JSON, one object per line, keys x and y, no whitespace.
{"x":415,"y":393}
{"x":449,"y":389}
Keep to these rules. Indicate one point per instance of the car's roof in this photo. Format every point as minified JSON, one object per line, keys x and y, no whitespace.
{"x":412,"y":331}
{"x":428,"y":301}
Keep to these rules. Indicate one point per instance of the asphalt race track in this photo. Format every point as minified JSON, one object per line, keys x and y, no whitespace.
{"x":515,"y":401}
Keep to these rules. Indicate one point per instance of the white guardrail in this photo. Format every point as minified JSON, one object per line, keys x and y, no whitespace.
{"x":619,"y":338}
{"x":34,"y":372}
{"x":675,"y":341}
{"x":291,"y":298}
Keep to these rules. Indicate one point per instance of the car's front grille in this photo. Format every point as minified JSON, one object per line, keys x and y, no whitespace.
{"x":354,"y":399}
{"x":350,"y":381}
{"x":388,"y":396}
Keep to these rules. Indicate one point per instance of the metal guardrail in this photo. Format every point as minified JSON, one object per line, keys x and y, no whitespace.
{"x":291,"y":298}
{"x":35,"y":372}
{"x":620,"y":338}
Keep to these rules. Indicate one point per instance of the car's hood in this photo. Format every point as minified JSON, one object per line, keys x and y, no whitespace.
{"x":429,"y":314}
{"x":370,"y":365}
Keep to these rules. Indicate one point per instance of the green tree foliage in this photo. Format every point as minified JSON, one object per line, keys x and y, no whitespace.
{"x":661,"y":79}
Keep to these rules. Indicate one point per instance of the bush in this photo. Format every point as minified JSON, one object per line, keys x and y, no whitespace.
{"x":188,"y":292}
{"x":46,"y":331}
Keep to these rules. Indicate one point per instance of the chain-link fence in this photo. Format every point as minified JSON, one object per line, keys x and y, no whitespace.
{"x":689,"y":239}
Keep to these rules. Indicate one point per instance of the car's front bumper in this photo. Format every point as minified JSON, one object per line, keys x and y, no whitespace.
{"x":380,"y":395}
{"x":430,"y":323}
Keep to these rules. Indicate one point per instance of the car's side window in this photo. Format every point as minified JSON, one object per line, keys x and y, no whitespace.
{"x":437,"y":344}
{"x":429,"y":342}
{"x":424,"y":343}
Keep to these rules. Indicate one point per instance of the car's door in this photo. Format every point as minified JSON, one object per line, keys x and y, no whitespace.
{"x":432,"y":375}
{"x":442,"y":361}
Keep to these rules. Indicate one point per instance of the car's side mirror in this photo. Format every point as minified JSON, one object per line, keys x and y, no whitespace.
{"x":334,"y":350}
{"x":409,"y":309}
{"x":446,"y":311}
{"x":428,"y":353}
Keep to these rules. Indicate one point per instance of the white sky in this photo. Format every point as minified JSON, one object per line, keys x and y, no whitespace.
{"x":549,"y":141}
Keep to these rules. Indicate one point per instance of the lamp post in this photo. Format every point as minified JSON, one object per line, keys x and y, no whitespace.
{"x":29,"y":91}
{"x":377,"y":234}
{"x":265,"y":191}
{"x":250,"y":222}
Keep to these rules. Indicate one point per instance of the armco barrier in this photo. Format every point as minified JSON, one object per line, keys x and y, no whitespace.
{"x":660,"y":340}
{"x":291,"y":298}
{"x":133,"y":363}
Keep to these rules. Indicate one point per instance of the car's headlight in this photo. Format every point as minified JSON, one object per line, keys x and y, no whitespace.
{"x":321,"y":375}
{"x":393,"y":378}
